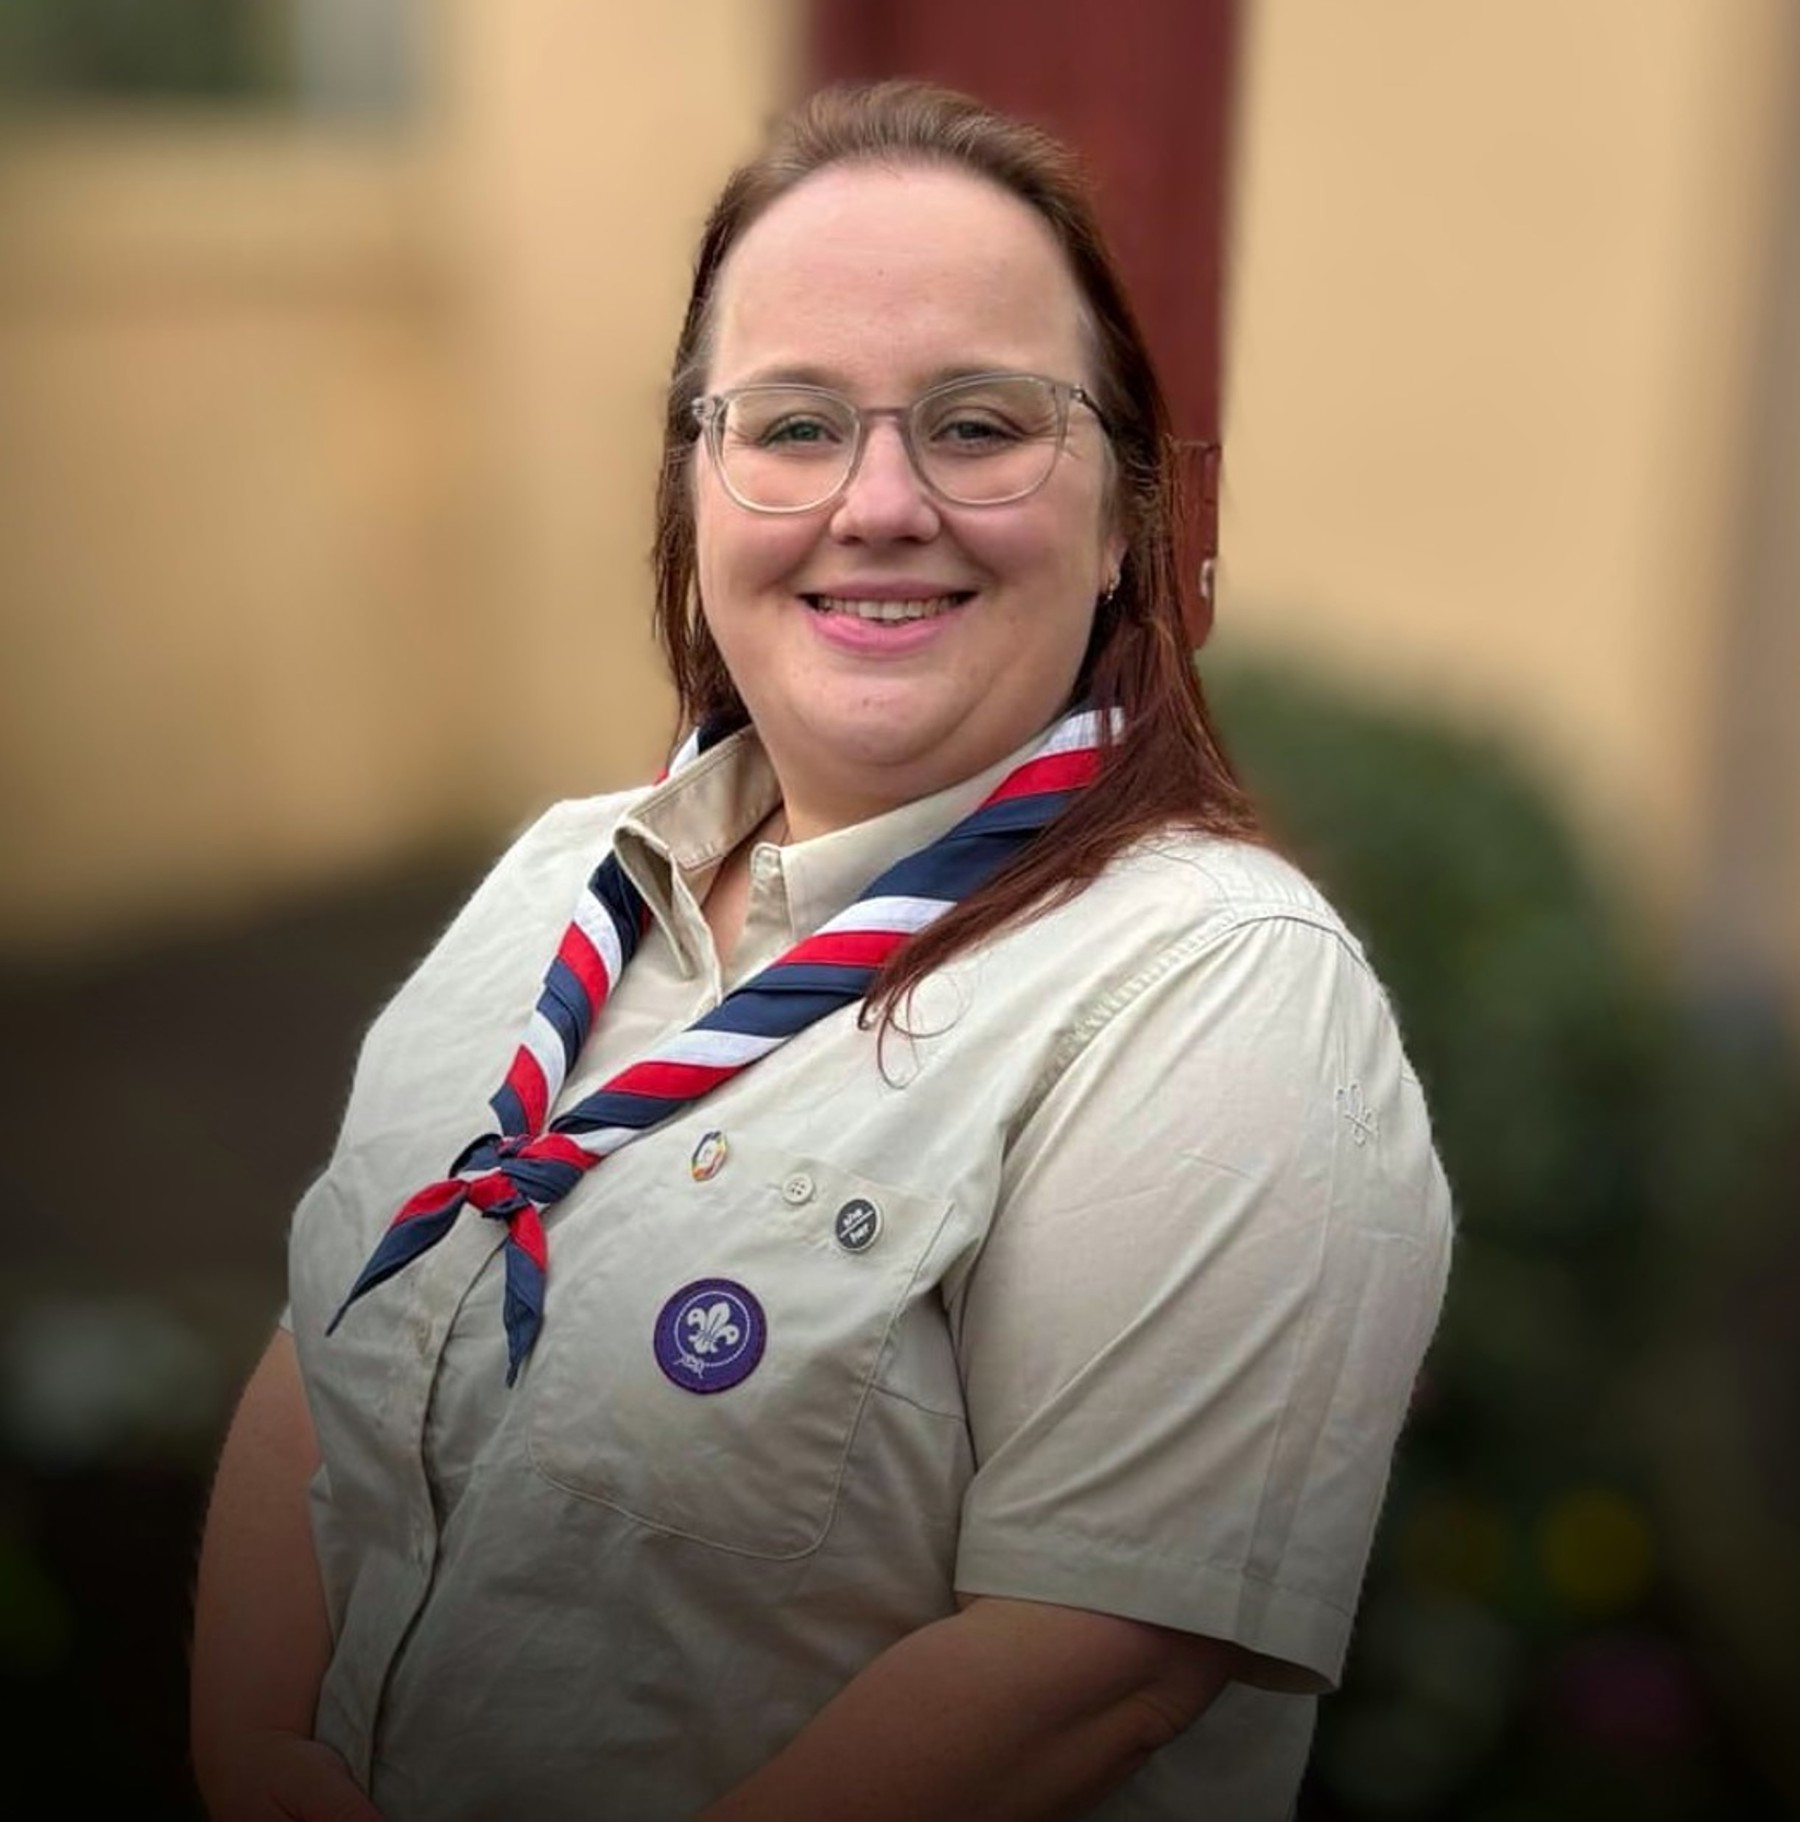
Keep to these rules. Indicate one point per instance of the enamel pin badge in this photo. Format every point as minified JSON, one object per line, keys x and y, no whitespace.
{"x":709,"y":1157}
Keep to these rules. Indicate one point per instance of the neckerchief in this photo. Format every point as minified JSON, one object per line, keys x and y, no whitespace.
{"x":515,"y":1174}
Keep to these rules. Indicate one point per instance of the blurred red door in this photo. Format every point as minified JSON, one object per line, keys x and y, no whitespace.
{"x":1143,"y":89}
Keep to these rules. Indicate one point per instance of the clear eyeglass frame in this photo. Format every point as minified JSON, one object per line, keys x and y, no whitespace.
{"x":712,"y":413}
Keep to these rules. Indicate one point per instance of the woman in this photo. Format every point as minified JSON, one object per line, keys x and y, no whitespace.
{"x":975,"y":1406}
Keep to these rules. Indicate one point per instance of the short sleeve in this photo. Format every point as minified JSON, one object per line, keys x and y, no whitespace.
{"x":1190,"y":1341}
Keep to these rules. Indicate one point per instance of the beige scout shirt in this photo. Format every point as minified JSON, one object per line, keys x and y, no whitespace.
{"x":1162,"y":1239}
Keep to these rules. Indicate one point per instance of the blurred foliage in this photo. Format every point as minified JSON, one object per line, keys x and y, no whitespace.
{"x":1586,"y":1583}
{"x":144,"y":49}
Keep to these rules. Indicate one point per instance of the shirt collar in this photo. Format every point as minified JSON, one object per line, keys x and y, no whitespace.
{"x":672,"y":841}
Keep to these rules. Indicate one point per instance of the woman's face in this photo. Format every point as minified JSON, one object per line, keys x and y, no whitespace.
{"x":880,"y":283}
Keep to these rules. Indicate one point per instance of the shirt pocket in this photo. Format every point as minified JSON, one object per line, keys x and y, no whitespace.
{"x":702,"y":1369}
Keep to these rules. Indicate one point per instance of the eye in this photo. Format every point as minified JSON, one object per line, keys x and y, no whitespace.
{"x":988,"y":417}
{"x":968,"y":430}
{"x":781,"y":423}
{"x":797,"y":431}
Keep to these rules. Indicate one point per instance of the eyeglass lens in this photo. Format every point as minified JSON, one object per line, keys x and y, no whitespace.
{"x":979,"y":442}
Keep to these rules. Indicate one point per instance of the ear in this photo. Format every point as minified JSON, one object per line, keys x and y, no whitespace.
{"x":1115,"y":541}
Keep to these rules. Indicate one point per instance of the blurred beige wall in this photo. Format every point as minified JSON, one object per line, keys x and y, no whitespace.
{"x":584,"y":145}
{"x":228,"y":466}
{"x":1498,"y":312}
{"x":327,"y":459}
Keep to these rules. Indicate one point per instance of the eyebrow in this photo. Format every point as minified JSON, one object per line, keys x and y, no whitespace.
{"x":782,"y":373}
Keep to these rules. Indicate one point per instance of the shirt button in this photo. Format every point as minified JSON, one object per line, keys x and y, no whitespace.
{"x":798,"y":1188}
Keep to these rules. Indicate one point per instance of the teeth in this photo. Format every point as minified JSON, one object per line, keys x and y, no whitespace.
{"x":885,"y":610}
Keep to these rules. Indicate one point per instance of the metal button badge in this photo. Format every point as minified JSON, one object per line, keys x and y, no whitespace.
{"x":857,"y":1224}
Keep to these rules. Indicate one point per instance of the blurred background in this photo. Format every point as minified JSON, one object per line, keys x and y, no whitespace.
{"x":332,"y":335}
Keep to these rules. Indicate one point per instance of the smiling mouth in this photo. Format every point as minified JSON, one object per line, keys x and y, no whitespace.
{"x":888,"y":612}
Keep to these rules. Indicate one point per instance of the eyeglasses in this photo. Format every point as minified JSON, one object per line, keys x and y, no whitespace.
{"x":986,"y":440}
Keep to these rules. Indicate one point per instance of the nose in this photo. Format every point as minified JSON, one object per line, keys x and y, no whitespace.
{"x":884,"y":499}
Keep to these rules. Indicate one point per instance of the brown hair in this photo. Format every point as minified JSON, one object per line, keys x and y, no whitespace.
{"x":1166,"y":766}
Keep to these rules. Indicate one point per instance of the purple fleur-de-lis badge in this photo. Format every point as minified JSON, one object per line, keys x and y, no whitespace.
{"x":710,"y":1335}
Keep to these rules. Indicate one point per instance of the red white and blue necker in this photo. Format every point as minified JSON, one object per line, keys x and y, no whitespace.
{"x":517,"y":1173}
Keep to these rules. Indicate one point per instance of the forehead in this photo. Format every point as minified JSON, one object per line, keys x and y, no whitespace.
{"x":874,"y":278}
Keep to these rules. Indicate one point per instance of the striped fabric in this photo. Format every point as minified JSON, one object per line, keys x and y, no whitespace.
{"x":515,"y":1174}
